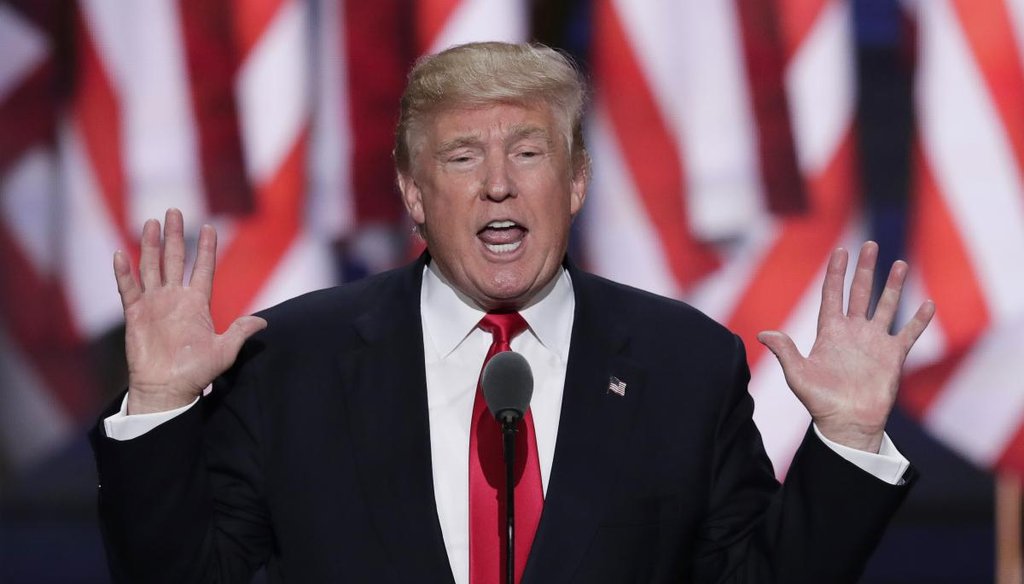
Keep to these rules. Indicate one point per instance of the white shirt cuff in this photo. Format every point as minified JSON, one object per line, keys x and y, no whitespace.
{"x":888,"y":465}
{"x":122,"y":426}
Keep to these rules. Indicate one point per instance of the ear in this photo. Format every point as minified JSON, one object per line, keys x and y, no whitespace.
{"x":412,"y":196}
{"x":578,"y":187}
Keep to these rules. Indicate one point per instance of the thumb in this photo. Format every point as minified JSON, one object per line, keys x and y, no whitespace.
{"x":240,"y":330}
{"x":782,"y":346}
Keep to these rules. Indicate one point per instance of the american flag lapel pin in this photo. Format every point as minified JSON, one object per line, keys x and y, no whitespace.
{"x":617,"y":386}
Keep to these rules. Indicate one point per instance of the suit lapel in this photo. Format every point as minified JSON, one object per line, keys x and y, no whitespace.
{"x":387,"y":408}
{"x":592,"y":431}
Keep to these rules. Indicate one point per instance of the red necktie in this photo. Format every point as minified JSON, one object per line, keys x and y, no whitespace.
{"x":487,"y":475}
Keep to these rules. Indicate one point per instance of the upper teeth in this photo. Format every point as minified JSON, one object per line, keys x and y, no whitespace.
{"x":501,"y":224}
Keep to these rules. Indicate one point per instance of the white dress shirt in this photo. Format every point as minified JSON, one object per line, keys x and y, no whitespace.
{"x":453,"y":351}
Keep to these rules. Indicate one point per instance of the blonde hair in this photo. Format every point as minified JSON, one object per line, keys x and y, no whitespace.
{"x":485,"y":73}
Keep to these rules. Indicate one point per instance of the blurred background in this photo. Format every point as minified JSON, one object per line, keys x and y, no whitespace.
{"x":735,"y":143}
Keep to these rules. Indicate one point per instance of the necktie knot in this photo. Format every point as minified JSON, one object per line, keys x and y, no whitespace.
{"x":503,"y":326}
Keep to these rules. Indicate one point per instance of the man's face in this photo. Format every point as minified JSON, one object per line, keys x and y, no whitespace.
{"x":494,"y":189}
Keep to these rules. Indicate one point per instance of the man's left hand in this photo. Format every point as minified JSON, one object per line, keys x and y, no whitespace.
{"x":849,"y":380}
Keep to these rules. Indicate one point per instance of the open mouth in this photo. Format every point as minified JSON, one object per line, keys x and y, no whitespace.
{"x":502,"y":237}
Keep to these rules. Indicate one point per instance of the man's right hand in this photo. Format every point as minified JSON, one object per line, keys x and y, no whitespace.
{"x":172,"y":348}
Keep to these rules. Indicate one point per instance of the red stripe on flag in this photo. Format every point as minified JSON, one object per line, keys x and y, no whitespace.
{"x":431,"y":18}
{"x":36,"y":314}
{"x":920,"y":388}
{"x":28,"y":115}
{"x":764,"y":54}
{"x":989,"y":32}
{"x":252,"y":17}
{"x":794,"y":262}
{"x":262,"y":239}
{"x":212,"y":66}
{"x":946,"y":268}
{"x":798,"y":19}
{"x":96,"y":111}
{"x":378,"y":56}
{"x":650,"y":152}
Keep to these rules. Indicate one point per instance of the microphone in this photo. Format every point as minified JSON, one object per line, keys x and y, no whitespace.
{"x":507,"y":383}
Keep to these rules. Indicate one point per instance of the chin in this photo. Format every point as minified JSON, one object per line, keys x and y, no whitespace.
{"x":502,"y":297}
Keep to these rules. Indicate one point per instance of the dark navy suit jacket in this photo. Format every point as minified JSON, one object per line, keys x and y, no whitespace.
{"x":312,"y":457}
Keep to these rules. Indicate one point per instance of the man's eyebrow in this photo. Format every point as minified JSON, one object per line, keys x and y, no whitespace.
{"x":458,"y":142}
{"x":528,"y":132}
{"x":521,"y":132}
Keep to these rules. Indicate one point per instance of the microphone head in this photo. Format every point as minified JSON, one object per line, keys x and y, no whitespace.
{"x":507,"y":383}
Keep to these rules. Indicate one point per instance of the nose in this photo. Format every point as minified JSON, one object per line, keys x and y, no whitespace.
{"x":498,"y":183}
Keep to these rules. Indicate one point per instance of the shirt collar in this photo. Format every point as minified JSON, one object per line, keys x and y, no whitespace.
{"x":449,"y":316}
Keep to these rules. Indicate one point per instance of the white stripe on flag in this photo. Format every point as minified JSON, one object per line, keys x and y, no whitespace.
{"x":819,"y":81}
{"x":160,"y":144}
{"x":981,"y":407}
{"x":972,"y":160}
{"x":331,"y":206}
{"x":22,"y":46}
{"x":273,"y":91}
{"x":88,"y":238}
{"x":483,"y":20}
{"x":28,"y":199}
{"x":705,"y":103}
{"x":653,"y":31}
{"x":1016,"y":10}
{"x":715,"y":122}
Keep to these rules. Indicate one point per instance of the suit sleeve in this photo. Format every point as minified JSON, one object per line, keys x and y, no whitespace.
{"x":820,"y":526}
{"x":183,"y":502}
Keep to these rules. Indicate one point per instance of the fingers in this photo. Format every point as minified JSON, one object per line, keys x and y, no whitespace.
{"x":127,"y":287}
{"x":832,"y":288}
{"x":783,"y":347}
{"x":206,"y":261}
{"x":174,"y":248}
{"x":149,"y":258}
{"x":236,"y":335}
{"x":889,"y":301}
{"x":913,"y":329}
{"x":863,"y":280}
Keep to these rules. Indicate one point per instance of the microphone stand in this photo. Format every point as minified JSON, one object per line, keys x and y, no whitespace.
{"x":508,"y":431}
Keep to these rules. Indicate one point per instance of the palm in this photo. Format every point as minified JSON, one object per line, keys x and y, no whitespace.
{"x":848,"y":381}
{"x":172,"y":349}
{"x":169,"y":335}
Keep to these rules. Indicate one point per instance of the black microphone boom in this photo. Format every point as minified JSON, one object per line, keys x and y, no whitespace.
{"x":507,"y":383}
{"x":508,"y":386}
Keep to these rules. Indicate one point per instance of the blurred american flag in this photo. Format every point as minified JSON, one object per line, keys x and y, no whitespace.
{"x":967,"y":379}
{"x":271,"y":119}
{"x":723,"y":136}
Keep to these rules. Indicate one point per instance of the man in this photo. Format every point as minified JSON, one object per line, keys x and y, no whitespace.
{"x":347,"y":441}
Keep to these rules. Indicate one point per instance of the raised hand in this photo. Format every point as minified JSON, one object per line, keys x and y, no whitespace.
{"x":172,"y":348}
{"x":849,"y":380}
